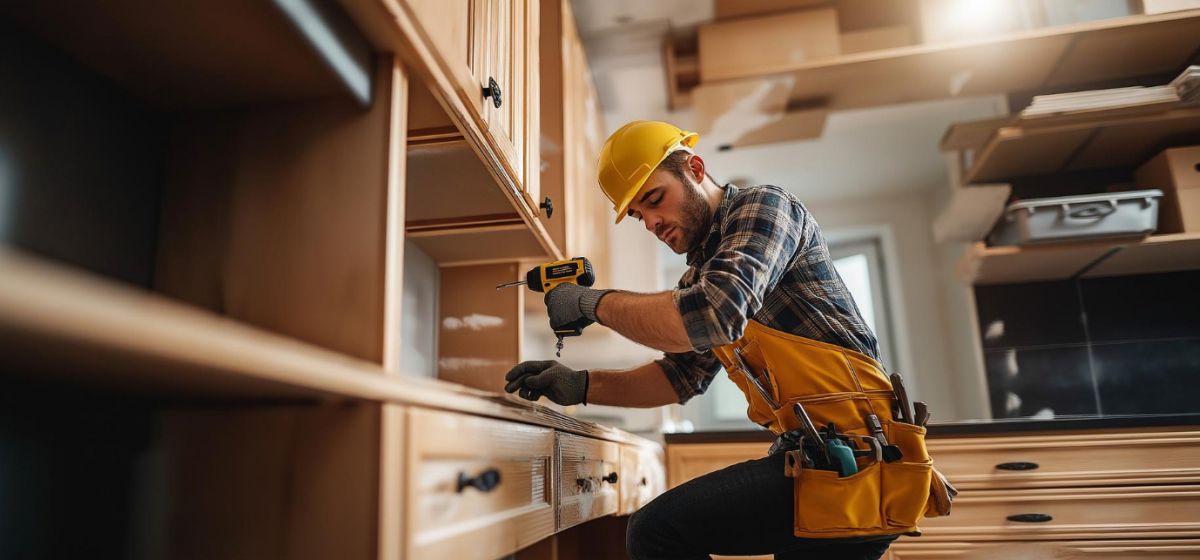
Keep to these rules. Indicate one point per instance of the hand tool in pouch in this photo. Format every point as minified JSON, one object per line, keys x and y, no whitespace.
{"x":810,"y":433}
{"x":750,"y":377}
{"x":546,"y":277}
{"x":902,"y":401}
{"x":890,"y":452}
{"x":920,"y":413}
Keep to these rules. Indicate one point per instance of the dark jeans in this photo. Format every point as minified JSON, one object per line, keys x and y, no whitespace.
{"x":741,"y":510}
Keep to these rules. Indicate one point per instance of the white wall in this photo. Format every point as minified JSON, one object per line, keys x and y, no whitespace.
{"x":418,"y":329}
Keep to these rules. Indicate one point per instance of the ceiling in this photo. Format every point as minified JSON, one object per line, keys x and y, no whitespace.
{"x":861,"y":153}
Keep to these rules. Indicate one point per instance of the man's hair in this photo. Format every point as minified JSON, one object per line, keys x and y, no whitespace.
{"x":676,"y":164}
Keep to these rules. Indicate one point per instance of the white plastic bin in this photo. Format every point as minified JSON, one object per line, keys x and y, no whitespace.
{"x":1071,"y":218}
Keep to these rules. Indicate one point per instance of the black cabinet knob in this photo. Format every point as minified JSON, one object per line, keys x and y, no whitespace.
{"x":548,"y":206}
{"x":644,"y":481}
{"x":1030,"y":518}
{"x":611,"y":478}
{"x":486,"y":481}
{"x":493,"y":91}
{"x":1018,"y":466}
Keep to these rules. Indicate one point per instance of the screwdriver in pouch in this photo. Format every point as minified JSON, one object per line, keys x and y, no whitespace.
{"x":546,"y":277}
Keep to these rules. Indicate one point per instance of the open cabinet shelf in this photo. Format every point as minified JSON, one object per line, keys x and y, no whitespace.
{"x":1052,"y":57}
{"x":982,"y":265}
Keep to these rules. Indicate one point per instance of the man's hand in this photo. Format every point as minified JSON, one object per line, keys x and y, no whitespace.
{"x":571,"y":306}
{"x":557,"y":382}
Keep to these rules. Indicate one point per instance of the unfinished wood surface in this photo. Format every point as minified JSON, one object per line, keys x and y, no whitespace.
{"x":552,"y":180}
{"x":982,"y":265}
{"x":466,"y":246}
{"x":738,"y":114}
{"x":688,"y":461}
{"x":1016,"y":151}
{"x":643,"y":477}
{"x":588,"y":476}
{"x":1076,"y":513}
{"x":732,"y":9}
{"x":972,"y":135}
{"x":393,"y":292}
{"x":768,"y":44}
{"x":1020,"y":61}
{"x":261,"y":481}
{"x":456,"y":36}
{"x":479,"y":330}
{"x":1113,"y":459}
{"x":172,"y":60}
{"x":393,"y":434}
{"x":971,"y":213}
{"x":450,"y":518}
{"x":447,"y":180}
{"x":276,"y":216}
{"x":1132,"y":549}
{"x":1158,"y":253}
{"x":876,"y":38}
{"x":425,"y":112}
{"x":531,"y":114}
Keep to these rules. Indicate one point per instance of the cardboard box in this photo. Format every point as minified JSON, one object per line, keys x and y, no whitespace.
{"x":731,"y":9}
{"x":1176,"y":172}
{"x":1163,"y":6}
{"x":765,"y":45}
{"x":877,"y":38}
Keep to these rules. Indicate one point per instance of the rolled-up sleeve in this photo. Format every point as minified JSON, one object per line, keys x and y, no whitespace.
{"x":760,"y":235}
{"x":690,"y":373}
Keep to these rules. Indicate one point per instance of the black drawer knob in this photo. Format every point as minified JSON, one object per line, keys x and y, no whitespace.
{"x":1030,"y":518}
{"x":493,"y":91}
{"x":548,"y":206}
{"x":644,"y":481}
{"x":486,"y":481}
{"x":1018,"y":466}
{"x":611,"y":478}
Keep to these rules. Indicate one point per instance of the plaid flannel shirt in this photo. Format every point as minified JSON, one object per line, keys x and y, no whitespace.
{"x":763,"y":259}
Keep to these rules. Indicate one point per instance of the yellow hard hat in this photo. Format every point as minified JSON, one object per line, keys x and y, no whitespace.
{"x":632,"y":153}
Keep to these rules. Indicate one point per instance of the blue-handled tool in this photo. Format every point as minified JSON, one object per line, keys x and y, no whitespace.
{"x":842,"y":456}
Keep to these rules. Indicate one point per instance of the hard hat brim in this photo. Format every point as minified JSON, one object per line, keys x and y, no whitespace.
{"x":686,"y":143}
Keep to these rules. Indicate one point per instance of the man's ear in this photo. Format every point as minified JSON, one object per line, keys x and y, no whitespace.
{"x":696,"y":166}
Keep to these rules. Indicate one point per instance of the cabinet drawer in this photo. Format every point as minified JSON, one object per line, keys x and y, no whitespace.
{"x":1155,"y":549}
{"x":1069,"y":460}
{"x":588,"y":479}
{"x":642,"y":477}
{"x":1070,"y":513}
{"x":457,"y":508}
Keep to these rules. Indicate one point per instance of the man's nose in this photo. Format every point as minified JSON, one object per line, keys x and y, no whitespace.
{"x":652,"y":222}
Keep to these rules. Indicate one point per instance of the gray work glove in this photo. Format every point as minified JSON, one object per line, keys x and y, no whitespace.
{"x":557,"y":382}
{"x":572,"y":307}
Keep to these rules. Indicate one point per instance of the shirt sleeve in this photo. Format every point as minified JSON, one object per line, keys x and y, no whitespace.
{"x":690,"y":373}
{"x":761,"y":233}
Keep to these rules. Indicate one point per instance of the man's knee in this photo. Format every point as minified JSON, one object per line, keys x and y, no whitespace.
{"x":646,"y":536}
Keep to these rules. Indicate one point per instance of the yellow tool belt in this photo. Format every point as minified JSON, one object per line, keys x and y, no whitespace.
{"x":838,"y":385}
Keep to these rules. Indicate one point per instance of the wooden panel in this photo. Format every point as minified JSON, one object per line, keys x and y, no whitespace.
{"x":393,"y":433}
{"x":1160,"y":49}
{"x":453,"y":30}
{"x":982,"y":265}
{"x":877,"y":38}
{"x":731,"y":9}
{"x":688,"y":461}
{"x":643,"y":477}
{"x":1014,"y":154}
{"x":479,"y":330}
{"x":166,"y":53}
{"x":765,"y":45}
{"x":393,"y":291}
{"x":1134,"y":512}
{"x":277,"y":217}
{"x":738,"y":114}
{"x":1157,"y":549}
{"x":1159,"y":253}
{"x":583,"y":464}
{"x":434,"y":171}
{"x":1076,"y":460}
{"x":446,"y":521}
{"x":552,"y":108}
{"x":254,"y":482}
{"x":529,"y":118}
{"x":971,"y":213}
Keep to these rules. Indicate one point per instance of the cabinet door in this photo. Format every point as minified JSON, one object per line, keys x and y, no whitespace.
{"x":505,"y":34}
{"x":455,"y":27}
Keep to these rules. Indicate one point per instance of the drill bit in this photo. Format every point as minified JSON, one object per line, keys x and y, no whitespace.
{"x":559,"y":346}
{"x":509,"y":284}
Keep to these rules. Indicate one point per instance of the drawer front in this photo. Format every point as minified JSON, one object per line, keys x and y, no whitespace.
{"x":457,"y":507}
{"x":643,"y":477}
{"x":1155,"y":549}
{"x":1070,"y":513}
{"x":1073,"y":460}
{"x":586,"y":485}
{"x":692,"y":460}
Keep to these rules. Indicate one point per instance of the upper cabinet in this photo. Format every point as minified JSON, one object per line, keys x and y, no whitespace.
{"x":490,"y":50}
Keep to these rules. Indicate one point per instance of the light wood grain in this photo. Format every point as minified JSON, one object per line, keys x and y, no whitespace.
{"x":393,"y":433}
{"x":971,"y":213}
{"x":768,"y":44}
{"x":393,"y":283}
{"x":479,"y":335}
{"x":983,"y":265}
{"x":582,"y":465}
{"x":276,"y":216}
{"x":445,"y":522}
{"x":688,"y":461}
{"x":1157,"y":549}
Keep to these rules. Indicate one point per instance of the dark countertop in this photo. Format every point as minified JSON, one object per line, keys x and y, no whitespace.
{"x":974,"y":427}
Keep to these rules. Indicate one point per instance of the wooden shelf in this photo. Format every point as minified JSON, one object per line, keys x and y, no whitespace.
{"x":190,"y":54}
{"x":1045,"y":58}
{"x":60,"y":325}
{"x":982,"y":265}
{"x":1021,"y":151}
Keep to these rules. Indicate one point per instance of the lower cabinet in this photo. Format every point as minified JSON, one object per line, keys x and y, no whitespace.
{"x":1168,"y":549}
{"x":588,"y":476}
{"x":642,"y":477}
{"x":477,"y":488}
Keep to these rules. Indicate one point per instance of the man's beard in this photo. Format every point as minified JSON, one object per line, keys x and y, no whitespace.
{"x":694,"y":220}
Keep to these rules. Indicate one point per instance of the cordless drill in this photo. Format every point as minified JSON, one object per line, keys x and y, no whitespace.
{"x":546,"y":277}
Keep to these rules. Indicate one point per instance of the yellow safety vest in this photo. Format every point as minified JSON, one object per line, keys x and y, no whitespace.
{"x":838,"y":385}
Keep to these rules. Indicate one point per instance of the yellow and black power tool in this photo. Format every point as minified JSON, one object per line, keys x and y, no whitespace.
{"x":546,"y":277}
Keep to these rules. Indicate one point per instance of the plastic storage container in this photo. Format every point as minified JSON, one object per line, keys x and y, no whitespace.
{"x":1071,"y":218}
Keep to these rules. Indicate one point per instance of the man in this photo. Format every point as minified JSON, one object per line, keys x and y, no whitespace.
{"x":757,"y":263}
